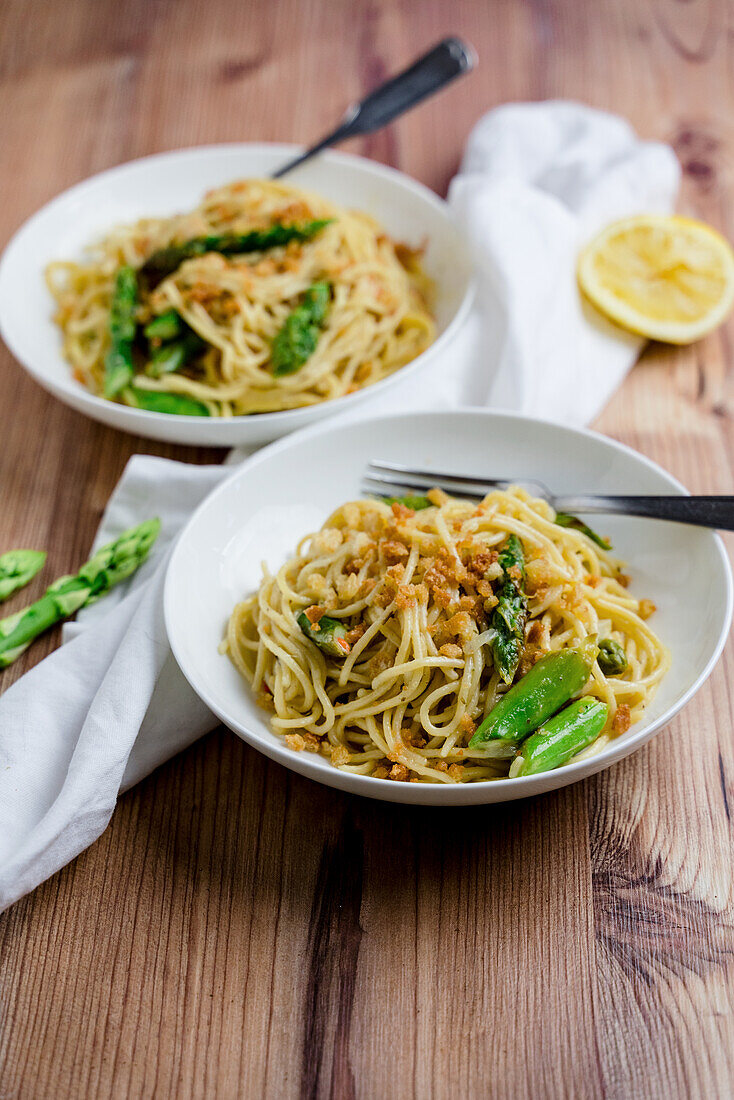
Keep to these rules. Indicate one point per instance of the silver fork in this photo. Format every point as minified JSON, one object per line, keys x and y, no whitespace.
{"x":393,"y":479}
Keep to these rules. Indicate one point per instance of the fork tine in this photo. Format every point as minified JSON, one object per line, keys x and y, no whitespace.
{"x":418,"y":478}
{"x":396,"y":485}
{"x":413,"y":476}
{"x":380,"y":489}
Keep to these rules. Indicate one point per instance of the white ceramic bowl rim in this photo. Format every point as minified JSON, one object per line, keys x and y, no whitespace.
{"x":129,"y":418}
{"x":615,"y":751}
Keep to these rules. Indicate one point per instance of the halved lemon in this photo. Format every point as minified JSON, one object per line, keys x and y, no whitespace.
{"x":667,"y":278}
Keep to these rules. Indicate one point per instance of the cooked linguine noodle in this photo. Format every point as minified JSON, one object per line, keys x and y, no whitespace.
{"x":379,"y":317}
{"x":416,"y":591}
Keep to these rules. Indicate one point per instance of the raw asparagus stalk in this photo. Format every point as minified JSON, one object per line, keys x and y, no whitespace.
{"x":297,"y":339}
{"x":17,"y":568}
{"x":166,"y":260}
{"x":110,"y":565}
{"x":119,"y":361}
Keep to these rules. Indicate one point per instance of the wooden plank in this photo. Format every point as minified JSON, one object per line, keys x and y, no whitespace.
{"x":239,"y":930}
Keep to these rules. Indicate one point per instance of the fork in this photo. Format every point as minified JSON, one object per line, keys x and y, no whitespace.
{"x":393,"y":479}
{"x":431,"y":72}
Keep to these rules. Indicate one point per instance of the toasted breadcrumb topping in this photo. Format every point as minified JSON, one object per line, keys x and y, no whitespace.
{"x":621,"y":721}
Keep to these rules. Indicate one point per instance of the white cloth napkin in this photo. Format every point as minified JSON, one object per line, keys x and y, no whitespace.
{"x":538,"y":181}
{"x":105,"y":709}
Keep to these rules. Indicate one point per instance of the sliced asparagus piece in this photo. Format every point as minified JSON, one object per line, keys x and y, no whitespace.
{"x":296,"y":342}
{"x":327,"y":633}
{"x":110,"y":565}
{"x":612,"y":657}
{"x":511,"y":612}
{"x":555,"y":743}
{"x":564,"y":520}
{"x":166,"y":326}
{"x":176,"y":404}
{"x":175,"y":354}
{"x":119,"y":361}
{"x":549,"y":684}
{"x":166,"y":260}
{"x":17,"y":568}
{"x":417,"y":503}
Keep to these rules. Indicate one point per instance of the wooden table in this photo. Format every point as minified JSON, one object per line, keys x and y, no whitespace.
{"x":239,"y":931}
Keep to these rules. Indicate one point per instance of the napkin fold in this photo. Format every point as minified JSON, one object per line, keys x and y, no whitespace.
{"x":109,"y":706}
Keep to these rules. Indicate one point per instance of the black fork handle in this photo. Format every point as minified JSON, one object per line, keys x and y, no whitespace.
{"x":431,"y":72}
{"x":702,"y":511}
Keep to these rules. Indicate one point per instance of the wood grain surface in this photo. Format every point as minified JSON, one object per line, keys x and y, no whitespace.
{"x":239,"y":931}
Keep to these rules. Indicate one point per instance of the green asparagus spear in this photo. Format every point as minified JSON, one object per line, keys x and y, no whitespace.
{"x":166,"y":326}
{"x":297,"y":339}
{"x":328,"y":634}
{"x":17,"y":568}
{"x":318,"y":300}
{"x":119,"y":360}
{"x":564,"y":520}
{"x":540,"y":693}
{"x":110,"y":565}
{"x":175,"y":354}
{"x":173,"y":343}
{"x":510,"y":614}
{"x":177,"y":404}
{"x":570,"y":731}
{"x":612,"y":657}
{"x":166,"y":260}
{"x":417,"y":503}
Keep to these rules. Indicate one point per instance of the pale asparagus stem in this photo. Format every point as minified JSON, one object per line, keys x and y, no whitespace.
{"x":110,"y":565}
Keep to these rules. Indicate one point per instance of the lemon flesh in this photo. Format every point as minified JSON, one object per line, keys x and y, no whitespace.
{"x":666,"y":278}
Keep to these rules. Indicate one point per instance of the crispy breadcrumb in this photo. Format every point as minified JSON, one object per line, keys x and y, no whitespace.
{"x":621,"y":721}
{"x":399,"y":772}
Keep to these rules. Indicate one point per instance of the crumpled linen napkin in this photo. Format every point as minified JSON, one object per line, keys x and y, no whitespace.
{"x":104,"y":710}
{"x":109,"y":706}
{"x":536,"y":183}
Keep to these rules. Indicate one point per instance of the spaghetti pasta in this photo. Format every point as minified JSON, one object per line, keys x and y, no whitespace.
{"x":414,"y":592}
{"x":378,"y":319}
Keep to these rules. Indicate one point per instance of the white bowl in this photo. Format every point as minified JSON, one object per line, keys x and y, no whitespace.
{"x":290,"y":488}
{"x":171,"y":182}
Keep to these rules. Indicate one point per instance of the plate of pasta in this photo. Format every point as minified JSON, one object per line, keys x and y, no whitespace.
{"x":188,"y":296}
{"x":439,"y":650}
